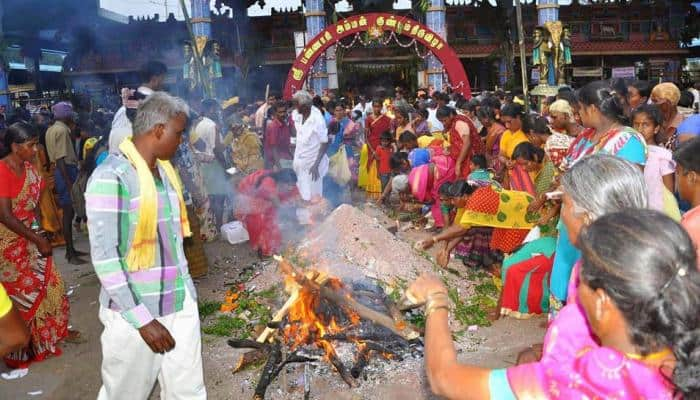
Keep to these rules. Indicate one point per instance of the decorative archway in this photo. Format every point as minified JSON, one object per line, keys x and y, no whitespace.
{"x":377,"y":22}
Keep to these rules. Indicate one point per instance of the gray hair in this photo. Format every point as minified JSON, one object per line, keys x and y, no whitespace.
{"x":303,"y":98}
{"x":158,"y":108}
{"x":601,"y":184}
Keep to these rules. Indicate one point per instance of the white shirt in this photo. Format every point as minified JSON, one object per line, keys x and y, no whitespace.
{"x":311,"y":135}
{"x":121,"y":126}
{"x":204,"y":136}
{"x":433,"y":122}
{"x":366,"y":110}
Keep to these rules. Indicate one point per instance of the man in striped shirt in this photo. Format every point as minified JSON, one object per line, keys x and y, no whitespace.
{"x":150,"y":316}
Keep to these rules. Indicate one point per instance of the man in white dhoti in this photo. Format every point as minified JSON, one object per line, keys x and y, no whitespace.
{"x":310,"y":160}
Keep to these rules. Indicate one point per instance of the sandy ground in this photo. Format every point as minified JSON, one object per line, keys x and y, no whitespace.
{"x":75,"y":375}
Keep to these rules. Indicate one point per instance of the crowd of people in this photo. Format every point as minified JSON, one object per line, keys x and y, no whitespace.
{"x":587,"y":209}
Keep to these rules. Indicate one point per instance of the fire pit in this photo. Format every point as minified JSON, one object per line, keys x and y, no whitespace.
{"x":322,"y":315}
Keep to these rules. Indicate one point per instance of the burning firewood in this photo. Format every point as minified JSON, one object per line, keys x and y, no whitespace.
{"x":361,"y":362}
{"x":275,"y":357}
{"x":346,"y":301}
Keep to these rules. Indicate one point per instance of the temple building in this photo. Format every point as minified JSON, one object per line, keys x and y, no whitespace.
{"x":641,"y":39}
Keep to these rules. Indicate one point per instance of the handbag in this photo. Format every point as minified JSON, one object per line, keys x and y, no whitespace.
{"x":339,"y":169}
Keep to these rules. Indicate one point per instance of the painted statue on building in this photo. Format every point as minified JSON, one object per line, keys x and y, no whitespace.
{"x":209,"y":52}
{"x":551,"y":52}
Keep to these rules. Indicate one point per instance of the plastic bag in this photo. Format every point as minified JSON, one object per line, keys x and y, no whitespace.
{"x":235,"y":232}
{"x":339,"y":168}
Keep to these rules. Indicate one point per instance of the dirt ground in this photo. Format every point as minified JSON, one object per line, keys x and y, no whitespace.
{"x":76,"y":374}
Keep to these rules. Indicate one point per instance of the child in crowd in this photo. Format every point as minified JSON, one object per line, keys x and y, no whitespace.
{"x":658,"y":171}
{"x":687,"y":158}
{"x":383,"y":154}
{"x":421,"y":124}
{"x":416,"y":155}
{"x":479,"y":168}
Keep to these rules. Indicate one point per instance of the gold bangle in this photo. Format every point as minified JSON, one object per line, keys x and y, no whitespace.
{"x":435,"y":308}
{"x":436,"y":296}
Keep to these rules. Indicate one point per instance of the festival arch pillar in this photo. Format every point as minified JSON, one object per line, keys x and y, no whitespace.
{"x":4,"y":84}
{"x":435,"y":20}
{"x":201,"y":18}
{"x":547,"y":10}
{"x":315,"y":23}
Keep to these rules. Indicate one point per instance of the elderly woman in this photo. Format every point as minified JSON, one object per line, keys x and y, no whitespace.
{"x":666,"y":96}
{"x":564,"y":128}
{"x":635,"y":331}
{"x":597,"y":185}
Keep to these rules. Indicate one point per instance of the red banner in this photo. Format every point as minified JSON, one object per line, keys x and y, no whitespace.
{"x":377,"y":23}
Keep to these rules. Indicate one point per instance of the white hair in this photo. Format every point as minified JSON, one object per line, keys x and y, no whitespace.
{"x":303,"y":98}
{"x":158,"y":108}
{"x":601,"y":184}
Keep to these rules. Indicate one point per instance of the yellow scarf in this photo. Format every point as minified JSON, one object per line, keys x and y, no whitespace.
{"x":142,"y":254}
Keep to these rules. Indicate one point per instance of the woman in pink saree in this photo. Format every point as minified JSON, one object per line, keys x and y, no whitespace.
{"x":425,"y":182}
{"x":639,"y":290}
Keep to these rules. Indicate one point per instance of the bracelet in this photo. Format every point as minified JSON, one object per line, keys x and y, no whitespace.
{"x":434,"y":239}
{"x":435,"y":307}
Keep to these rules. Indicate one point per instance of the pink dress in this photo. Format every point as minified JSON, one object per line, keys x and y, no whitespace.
{"x":659,"y":163}
{"x":574,"y":366}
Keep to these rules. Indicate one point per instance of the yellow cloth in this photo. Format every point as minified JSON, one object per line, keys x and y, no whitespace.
{"x":671,"y":206}
{"x":512,"y":210}
{"x":369,"y":180}
{"x":5,"y":302}
{"x":509,"y":141}
{"x":89,"y":145}
{"x":247,"y":154}
{"x":362,"y":172}
{"x":425,"y":141}
{"x":142,"y":254}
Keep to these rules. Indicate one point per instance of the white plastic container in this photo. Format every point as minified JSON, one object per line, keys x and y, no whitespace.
{"x":234,"y":232}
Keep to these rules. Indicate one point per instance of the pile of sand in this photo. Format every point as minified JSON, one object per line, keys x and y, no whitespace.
{"x":352,"y":244}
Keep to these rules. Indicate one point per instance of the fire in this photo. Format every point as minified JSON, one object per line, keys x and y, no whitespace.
{"x":307,"y":324}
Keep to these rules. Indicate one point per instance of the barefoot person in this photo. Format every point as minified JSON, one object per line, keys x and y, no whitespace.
{"x":27,"y":270}
{"x":137,"y":222}
{"x":639,"y":293}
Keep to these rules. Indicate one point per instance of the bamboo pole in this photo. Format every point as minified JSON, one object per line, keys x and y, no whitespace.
{"x":203,"y":78}
{"x":521,"y":45}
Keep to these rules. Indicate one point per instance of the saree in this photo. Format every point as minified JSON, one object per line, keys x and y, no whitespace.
{"x":425,"y":182}
{"x":31,"y":281}
{"x":574,"y":366}
{"x":525,"y":276}
{"x":457,"y":143}
{"x":622,"y":142}
{"x":194,"y":189}
{"x":255,"y":208}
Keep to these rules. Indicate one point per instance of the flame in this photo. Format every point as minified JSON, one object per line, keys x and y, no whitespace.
{"x":306,"y":324}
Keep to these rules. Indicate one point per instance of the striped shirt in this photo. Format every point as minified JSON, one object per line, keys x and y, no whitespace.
{"x":112,"y":204}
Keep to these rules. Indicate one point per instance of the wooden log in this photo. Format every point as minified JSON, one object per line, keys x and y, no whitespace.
{"x":345,"y":300}
{"x":360,"y":363}
{"x":247,"y":344}
{"x":340,"y":367}
{"x":267,"y":375}
{"x":249,"y":358}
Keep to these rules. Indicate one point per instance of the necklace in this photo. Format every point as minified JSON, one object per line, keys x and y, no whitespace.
{"x":659,"y":355}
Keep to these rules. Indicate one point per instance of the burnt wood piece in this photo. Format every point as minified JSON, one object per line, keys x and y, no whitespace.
{"x":360,"y":363}
{"x":383,"y":350}
{"x":349,"y":337}
{"x":342,"y":370}
{"x":267,"y":375}
{"x":292,"y":358}
{"x":247,"y":344}
{"x":344,"y":300}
